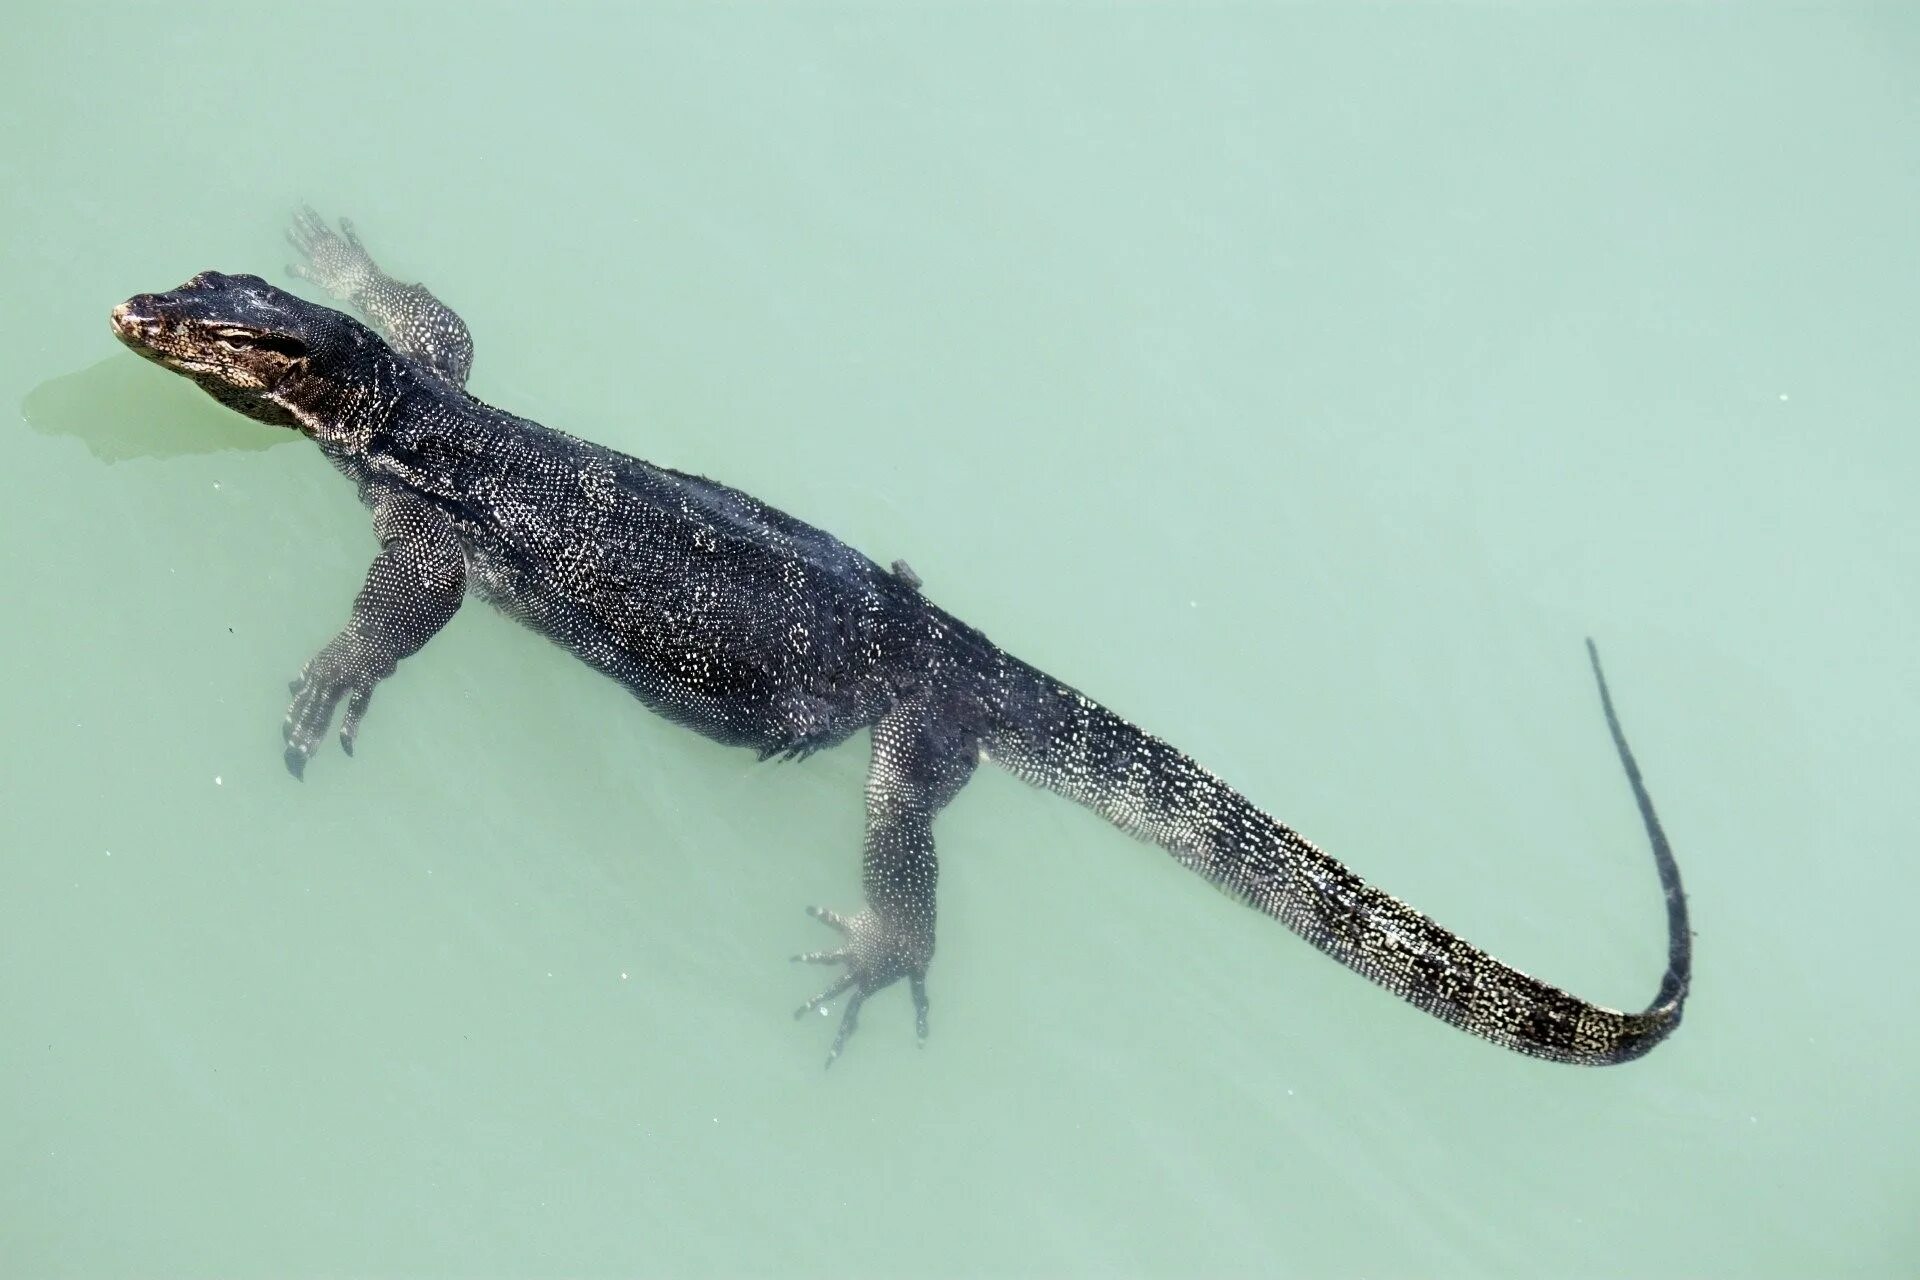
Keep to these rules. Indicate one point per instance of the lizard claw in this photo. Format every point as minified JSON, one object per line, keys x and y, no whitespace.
{"x":832,"y":991}
{"x":335,"y":260}
{"x":877,"y":954}
{"x":849,"y":1023}
{"x":350,"y":724}
{"x":917,"y":983}
{"x":832,"y":919}
{"x":322,"y":685}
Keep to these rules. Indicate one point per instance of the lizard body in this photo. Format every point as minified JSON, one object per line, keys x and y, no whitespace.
{"x":762,"y":631}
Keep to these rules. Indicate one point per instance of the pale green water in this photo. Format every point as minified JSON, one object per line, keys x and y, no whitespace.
{"x":1304,"y":384}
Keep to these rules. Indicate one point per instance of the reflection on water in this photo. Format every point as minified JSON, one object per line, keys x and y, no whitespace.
{"x":175,"y":418}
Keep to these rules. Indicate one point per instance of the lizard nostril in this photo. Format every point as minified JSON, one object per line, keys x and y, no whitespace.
{"x":131,"y":316}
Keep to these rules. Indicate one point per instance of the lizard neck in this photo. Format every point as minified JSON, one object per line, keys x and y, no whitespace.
{"x":349,"y":412}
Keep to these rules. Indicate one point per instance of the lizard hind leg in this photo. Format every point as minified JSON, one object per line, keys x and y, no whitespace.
{"x":921,"y":759}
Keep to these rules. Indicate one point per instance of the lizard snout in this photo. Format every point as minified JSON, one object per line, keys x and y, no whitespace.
{"x":134,"y":313}
{"x":137,"y":318}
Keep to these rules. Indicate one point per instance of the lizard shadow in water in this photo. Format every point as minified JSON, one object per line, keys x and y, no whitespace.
{"x":122,"y":408}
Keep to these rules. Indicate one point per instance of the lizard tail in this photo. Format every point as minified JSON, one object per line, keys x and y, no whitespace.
{"x":1056,"y":738}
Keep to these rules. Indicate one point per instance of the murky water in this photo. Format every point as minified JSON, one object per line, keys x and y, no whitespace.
{"x":1304,"y":384}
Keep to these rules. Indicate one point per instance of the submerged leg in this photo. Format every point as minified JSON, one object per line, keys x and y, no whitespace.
{"x":412,"y":589}
{"x":408,"y":316}
{"x":920,"y":761}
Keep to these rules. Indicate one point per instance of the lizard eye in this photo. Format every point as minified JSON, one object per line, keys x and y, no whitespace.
{"x":248,"y":339}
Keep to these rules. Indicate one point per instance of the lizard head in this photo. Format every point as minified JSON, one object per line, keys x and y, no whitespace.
{"x":255,"y":348}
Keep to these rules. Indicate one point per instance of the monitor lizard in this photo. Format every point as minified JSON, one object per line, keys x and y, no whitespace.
{"x":759,"y":630}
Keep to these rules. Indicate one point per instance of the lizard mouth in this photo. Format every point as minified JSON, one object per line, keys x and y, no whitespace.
{"x":133,"y":324}
{"x":138,"y":323}
{"x":141,"y":323}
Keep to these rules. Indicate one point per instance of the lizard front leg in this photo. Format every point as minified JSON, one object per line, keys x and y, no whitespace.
{"x":408,"y":316}
{"x":921,"y":759}
{"x":412,"y":589}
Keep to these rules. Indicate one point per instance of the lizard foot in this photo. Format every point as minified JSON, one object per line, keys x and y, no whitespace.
{"x":877,"y":954}
{"x":316,"y":693}
{"x":336,"y":261}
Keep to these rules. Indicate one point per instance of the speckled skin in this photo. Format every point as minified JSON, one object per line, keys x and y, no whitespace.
{"x":761,"y":631}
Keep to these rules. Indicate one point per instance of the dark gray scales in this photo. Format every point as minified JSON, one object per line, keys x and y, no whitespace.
{"x":761,"y":631}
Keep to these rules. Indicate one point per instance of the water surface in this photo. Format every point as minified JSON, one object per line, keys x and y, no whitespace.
{"x":1303,"y":383}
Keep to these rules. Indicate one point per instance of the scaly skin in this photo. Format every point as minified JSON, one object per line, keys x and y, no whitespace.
{"x":761,"y":631}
